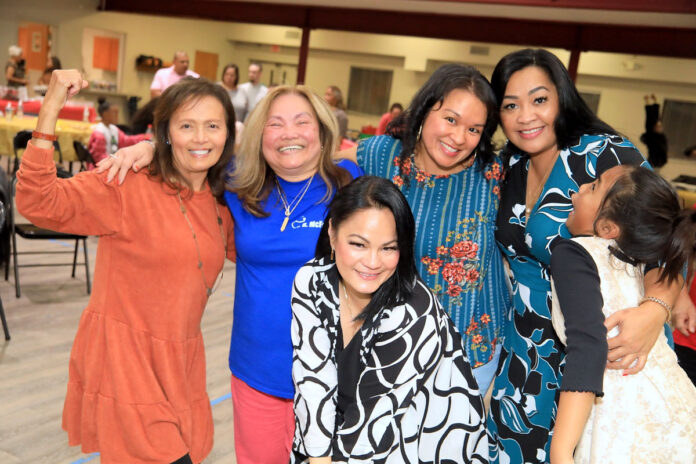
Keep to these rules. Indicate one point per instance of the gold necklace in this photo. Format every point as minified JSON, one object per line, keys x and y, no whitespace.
{"x":348,"y":306}
{"x":530,"y":202}
{"x":289,"y":208}
{"x":208,"y":290}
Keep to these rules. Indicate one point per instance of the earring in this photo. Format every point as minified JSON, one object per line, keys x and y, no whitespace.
{"x":420,"y":129}
{"x":333,"y":255}
{"x":166,"y":141}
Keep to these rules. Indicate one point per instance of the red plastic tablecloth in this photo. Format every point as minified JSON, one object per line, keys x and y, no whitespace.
{"x":73,"y":112}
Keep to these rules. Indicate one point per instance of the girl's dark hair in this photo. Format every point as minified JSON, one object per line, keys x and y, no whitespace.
{"x":653,"y":226}
{"x":188,"y":91}
{"x":574,"y":118}
{"x":144,"y":117}
{"x":368,"y":192}
{"x":103,"y":106}
{"x":431,"y":96}
{"x":236,"y":72}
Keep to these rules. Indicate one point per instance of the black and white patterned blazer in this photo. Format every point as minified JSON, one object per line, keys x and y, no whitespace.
{"x":416,"y":399}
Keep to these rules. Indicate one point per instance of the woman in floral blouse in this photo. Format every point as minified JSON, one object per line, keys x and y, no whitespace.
{"x":443,"y":162}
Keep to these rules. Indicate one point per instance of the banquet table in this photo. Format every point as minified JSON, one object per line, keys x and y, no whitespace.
{"x":69,"y":111}
{"x":66,"y":130}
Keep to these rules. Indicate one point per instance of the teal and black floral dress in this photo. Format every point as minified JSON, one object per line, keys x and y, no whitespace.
{"x":525,"y":392}
{"x":455,"y":248}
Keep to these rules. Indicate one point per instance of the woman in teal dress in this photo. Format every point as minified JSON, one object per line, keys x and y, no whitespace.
{"x":441,"y":157}
{"x":555,"y":145}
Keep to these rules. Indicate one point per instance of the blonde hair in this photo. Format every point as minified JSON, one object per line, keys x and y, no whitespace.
{"x":253,"y":179}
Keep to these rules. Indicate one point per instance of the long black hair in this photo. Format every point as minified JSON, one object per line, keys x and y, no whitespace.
{"x":574,"y":118}
{"x":368,"y":192}
{"x":653,"y":226}
{"x":430,"y":97}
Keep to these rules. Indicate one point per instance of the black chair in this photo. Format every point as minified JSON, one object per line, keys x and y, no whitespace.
{"x":20,"y":141}
{"x":83,"y":155}
{"x":31,"y":232}
{"x":3,"y":228}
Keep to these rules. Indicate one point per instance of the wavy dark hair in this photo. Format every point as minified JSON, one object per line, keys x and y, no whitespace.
{"x":368,"y":192}
{"x":574,"y":118}
{"x":189,"y":90}
{"x":653,"y":226}
{"x":445,"y":79}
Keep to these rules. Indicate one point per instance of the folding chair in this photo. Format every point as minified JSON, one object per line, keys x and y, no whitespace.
{"x":32,"y":232}
{"x":83,"y":155}
{"x":20,"y":141}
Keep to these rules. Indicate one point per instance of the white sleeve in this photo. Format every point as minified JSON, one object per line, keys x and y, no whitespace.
{"x":314,"y":371}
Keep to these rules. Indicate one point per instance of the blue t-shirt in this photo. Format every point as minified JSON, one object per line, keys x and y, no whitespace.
{"x":455,"y":247}
{"x":267,"y":261}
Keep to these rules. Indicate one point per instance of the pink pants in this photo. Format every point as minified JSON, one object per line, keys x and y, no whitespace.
{"x":263,"y":425}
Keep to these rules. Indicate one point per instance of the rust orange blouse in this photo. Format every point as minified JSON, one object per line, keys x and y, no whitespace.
{"x":137,"y":386}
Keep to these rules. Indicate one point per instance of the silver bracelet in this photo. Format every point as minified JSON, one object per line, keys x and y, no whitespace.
{"x":664,"y":305}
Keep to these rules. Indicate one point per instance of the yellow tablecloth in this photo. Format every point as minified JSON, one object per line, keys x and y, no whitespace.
{"x":66,"y":130}
{"x":689,"y":198}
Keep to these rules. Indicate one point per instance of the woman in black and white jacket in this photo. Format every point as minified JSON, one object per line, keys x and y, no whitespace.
{"x":379,"y":369}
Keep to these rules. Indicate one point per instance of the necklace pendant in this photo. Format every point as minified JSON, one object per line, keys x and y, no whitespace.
{"x":285,"y":223}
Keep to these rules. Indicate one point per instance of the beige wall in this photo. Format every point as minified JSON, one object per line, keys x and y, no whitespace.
{"x":621,"y":80}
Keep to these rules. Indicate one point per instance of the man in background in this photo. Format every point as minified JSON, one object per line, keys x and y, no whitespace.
{"x":171,"y":75}
{"x":254,"y":89}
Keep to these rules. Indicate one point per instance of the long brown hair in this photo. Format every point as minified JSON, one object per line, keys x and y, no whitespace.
{"x":253,"y":179}
{"x":189,"y":91}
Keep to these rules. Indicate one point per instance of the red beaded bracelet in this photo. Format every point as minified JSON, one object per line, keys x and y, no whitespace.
{"x":42,"y":136}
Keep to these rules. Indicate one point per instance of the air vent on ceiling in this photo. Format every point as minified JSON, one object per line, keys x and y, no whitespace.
{"x":482,"y":50}
{"x":292,"y":34}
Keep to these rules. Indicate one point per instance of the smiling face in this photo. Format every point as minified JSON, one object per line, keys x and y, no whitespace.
{"x":451,"y":131}
{"x":587,"y":201}
{"x":230,"y":77}
{"x":197,"y":134}
{"x":528,"y":111}
{"x":291,"y":144}
{"x":367,"y":252}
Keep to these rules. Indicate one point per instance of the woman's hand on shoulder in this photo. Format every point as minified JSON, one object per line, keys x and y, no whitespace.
{"x":134,"y":157}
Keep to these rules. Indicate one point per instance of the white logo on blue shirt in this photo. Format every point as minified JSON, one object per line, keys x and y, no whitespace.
{"x":302,"y":223}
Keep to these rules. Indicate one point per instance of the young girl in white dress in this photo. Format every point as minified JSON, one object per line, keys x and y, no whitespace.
{"x":630,"y":216}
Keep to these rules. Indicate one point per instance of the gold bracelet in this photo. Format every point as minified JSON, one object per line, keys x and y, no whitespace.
{"x":664,"y":305}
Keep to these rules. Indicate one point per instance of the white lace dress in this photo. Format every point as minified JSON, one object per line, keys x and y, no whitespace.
{"x":649,"y":417}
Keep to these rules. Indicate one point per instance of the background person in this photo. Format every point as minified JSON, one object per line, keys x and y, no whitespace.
{"x":254,"y":89}
{"x":169,"y":76}
{"x":137,"y":387}
{"x":230,"y":79}
{"x":334,"y":97}
{"x":52,"y":63}
{"x":379,"y":369}
{"x":15,"y":69}
{"x":654,"y":137}
{"x":394,"y":111}
{"x":106,"y":137}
